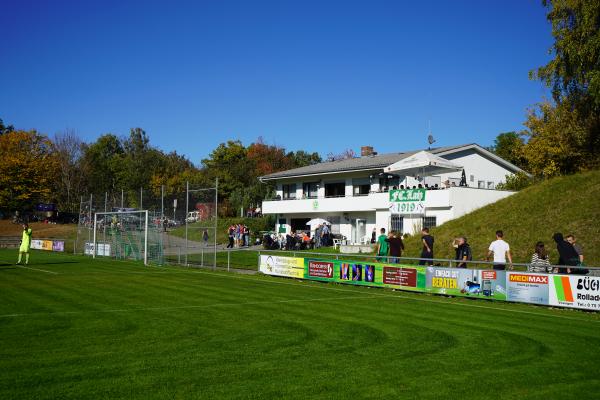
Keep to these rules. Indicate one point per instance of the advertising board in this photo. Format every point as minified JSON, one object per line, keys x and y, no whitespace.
{"x":404,"y":277}
{"x":103,"y":249}
{"x":527,"y":288}
{"x":58,"y":245}
{"x":536,"y":288}
{"x":575,"y":291}
{"x":291,"y":267}
{"x":88,"y":249}
{"x":48,"y":245}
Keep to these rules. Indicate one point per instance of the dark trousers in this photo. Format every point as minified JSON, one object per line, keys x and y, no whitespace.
{"x":230,"y":245}
{"x":427,"y":255}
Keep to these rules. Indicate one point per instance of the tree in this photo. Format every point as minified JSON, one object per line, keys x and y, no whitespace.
{"x":346,"y":154}
{"x":5,"y":128}
{"x":229,"y":163}
{"x":556,"y":144}
{"x":574,"y":73}
{"x":69,"y":182}
{"x":27,"y":169}
{"x":173,"y":173}
{"x":509,"y":146}
{"x":302,"y":158}
{"x":103,"y":164}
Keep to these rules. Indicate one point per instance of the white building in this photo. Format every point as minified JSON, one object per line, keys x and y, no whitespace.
{"x":353,"y":194}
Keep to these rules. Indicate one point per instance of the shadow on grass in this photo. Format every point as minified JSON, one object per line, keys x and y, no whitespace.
{"x":54,"y":262}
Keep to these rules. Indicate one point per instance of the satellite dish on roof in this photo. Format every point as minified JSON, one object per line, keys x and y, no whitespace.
{"x":430,"y":138}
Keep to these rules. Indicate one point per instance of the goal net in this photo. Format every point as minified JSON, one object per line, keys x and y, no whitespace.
{"x":127,"y":235}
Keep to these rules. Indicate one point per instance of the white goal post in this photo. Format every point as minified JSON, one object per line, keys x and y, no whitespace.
{"x":117,"y":225}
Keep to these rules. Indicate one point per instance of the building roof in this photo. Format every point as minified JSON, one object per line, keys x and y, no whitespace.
{"x":379,"y":161}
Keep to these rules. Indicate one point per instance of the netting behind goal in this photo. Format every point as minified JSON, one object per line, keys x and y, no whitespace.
{"x":127,"y":235}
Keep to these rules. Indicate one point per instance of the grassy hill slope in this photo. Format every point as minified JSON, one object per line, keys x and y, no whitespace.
{"x":569,"y":204}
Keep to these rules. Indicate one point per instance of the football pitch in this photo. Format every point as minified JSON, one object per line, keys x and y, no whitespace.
{"x":76,"y":328}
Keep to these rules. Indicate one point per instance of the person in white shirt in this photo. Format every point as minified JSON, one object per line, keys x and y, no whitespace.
{"x":501,"y":251}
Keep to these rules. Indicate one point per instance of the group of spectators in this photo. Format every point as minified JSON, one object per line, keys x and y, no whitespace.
{"x":238,"y":235}
{"x":389,"y":247}
{"x":300,"y":240}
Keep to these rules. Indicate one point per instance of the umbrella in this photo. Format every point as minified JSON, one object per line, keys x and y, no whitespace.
{"x":463,"y":179}
{"x":317,"y":221}
{"x":423,"y":164}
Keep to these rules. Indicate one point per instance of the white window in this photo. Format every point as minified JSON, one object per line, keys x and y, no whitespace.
{"x":481,"y":184}
{"x":490,"y":185}
{"x":472,"y":178}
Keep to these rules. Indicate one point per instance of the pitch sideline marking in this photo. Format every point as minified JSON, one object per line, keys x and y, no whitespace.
{"x":37,"y":269}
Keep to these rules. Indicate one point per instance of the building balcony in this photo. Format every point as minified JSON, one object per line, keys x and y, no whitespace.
{"x":369,"y":202}
{"x":460,"y":200}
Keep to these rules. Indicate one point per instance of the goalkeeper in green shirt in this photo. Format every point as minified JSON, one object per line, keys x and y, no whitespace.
{"x":25,"y":244}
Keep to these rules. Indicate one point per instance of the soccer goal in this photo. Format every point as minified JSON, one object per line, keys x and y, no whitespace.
{"x":127,"y":235}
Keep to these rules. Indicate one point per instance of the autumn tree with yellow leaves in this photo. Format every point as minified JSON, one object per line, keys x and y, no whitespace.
{"x":27,"y":169}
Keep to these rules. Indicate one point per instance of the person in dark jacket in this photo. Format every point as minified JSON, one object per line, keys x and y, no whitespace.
{"x":463,"y":252}
{"x":566,"y":253}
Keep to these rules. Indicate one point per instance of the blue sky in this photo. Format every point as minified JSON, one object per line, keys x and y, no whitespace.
{"x":315,"y":75}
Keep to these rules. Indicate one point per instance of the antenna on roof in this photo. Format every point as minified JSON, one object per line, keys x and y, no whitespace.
{"x":430,"y":138}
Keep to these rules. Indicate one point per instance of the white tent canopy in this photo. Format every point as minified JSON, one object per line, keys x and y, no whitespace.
{"x":317,"y":221}
{"x":422,"y":163}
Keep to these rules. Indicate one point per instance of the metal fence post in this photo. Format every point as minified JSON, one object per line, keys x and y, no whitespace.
{"x":202,"y":257}
{"x":228,"y":259}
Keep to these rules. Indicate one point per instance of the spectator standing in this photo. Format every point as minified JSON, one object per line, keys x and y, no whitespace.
{"x":427,"y":250}
{"x":230,"y":234}
{"x":567,"y":255}
{"x":571,"y":239}
{"x":325,"y":235}
{"x":540,"y":261}
{"x":318,"y":232}
{"x":205,"y":237}
{"x":463,"y":252}
{"x":374,"y":236}
{"x":396,"y":246}
{"x":500,"y":250}
{"x":382,"y":246}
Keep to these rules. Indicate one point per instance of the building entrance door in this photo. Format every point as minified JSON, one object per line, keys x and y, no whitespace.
{"x":359,"y":229}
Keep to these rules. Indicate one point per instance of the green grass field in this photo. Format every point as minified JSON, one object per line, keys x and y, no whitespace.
{"x":74,"y":328}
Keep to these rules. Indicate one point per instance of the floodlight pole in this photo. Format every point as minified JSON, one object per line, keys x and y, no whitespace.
{"x":216,"y":222}
{"x":90,"y":214}
{"x":94,"y":243}
{"x":162,"y":201}
{"x":187,"y":199}
{"x":146,"y":240}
